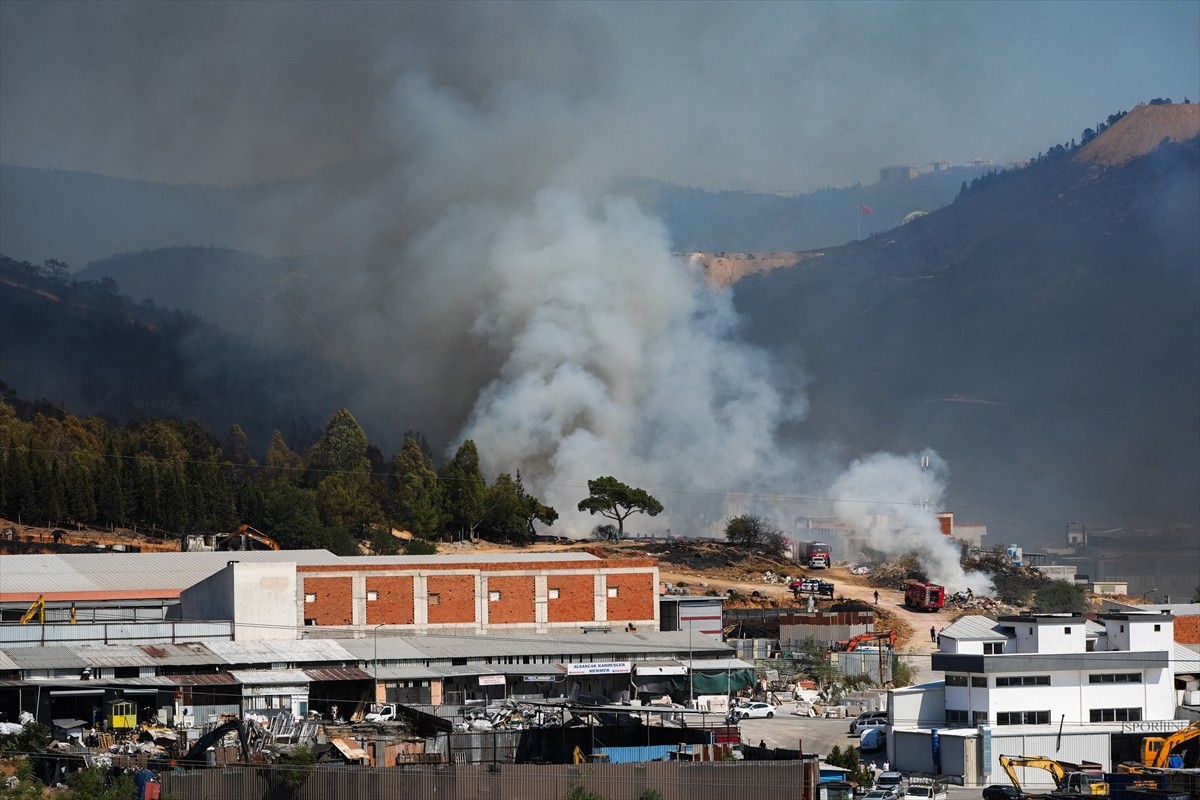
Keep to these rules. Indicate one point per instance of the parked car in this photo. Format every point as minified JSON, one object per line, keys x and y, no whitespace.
{"x":882,"y":793}
{"x":867,"y":715}
{"x":927,"y":789}
{"x":1001,"y":791}
{"x":818,"y":562}
{"x":751,"y":710}
{"x":873,"y":739}
{"x":891,"y":780}
{"x":870,"y":722}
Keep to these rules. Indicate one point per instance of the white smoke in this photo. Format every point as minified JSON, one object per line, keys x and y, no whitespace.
{"x":894,"y":500}
{"x":619,"y":361}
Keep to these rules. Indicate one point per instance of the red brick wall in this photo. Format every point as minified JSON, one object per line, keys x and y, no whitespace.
{"x":635,"y":596}
{"x":395,"y":603}
{"x":334,"y":605}
{"x":576,"y":601}
{"x":516,"y":599}
{"x":1187,"y":629}
{"x":457,"y":599}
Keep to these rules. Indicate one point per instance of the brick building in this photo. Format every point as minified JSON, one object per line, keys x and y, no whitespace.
{"x":477,"y":592}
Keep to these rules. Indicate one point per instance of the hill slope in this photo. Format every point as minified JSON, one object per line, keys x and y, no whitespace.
{"x":1043,"y":333}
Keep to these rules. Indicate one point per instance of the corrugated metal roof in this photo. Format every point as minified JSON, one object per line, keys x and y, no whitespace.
{"x":976,"y":628}
{"x":287,"y":651}
{"x":562,"y":645}
{"x":342,"y":674}
{"x":1184,"y":660}
{"x":183,"y":654}
{"x":113,"y":655}
{"x":135,"y":574}
{"x":414,"y":672}
{"x":269,"y":677}
{"x":7,"y":663}
{"x":717,"y":664}
{"x":211,"y":679}
{"x":46,"y":657}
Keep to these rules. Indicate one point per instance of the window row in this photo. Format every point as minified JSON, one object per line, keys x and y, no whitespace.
{"x":1023,"y":680}
{"x":1116,"y":715}
{"x":1119,"y":677}
{"x":958,"y":717}
{"x":1023,"y":718}
{"x":976,"y":681}
{"x":436,"y":599}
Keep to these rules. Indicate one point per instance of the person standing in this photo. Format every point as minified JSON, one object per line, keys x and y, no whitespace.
{"x":333,"y":712}
{"x":876,"y":597}
{"x":932,"y":633}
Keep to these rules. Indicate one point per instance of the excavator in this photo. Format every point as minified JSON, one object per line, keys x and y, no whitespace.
{"x":1158,"y":752}
{"x":38,"y":609}
{"x":879,"y":637}
{"x":1069,"y":779}
{"x":246,"y":538}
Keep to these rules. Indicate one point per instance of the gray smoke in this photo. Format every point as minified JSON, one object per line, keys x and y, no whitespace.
{"x":471,"y":259}
{"x":894,"y":500}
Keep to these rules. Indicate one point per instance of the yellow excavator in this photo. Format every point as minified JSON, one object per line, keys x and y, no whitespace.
{"x":38,"y":609}
{"x":1157,"y":750}
{"x":246,"y":538}
{"x":1069,"y":779}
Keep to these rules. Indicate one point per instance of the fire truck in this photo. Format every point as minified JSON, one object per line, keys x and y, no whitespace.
{"x":924,"y":596}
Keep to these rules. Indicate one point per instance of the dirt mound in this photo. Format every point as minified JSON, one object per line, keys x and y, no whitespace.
{"x":1140,"y":131}
{"x":725,"y":269}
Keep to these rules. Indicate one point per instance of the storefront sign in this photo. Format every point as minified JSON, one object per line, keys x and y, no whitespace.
{"x":1153,"y":726}
{"x":599,"y":668}
{"x":491,"y":680}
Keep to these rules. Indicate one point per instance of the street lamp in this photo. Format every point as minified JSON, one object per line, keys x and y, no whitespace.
{"x":375,"y":662}
{"x":1155,"y":589}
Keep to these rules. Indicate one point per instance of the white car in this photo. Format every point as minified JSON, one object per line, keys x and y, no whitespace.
{"x":751,"y":710}
{"x":863,"y":725}
{"x":818,"y":562}
{"x":881,"y":794}
{"x":873,"y":739}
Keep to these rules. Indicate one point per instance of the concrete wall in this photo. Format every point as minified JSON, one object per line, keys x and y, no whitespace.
{"x":259,"y":597}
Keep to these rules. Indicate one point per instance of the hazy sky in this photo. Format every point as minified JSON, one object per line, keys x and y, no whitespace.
{"x":775,"y":96}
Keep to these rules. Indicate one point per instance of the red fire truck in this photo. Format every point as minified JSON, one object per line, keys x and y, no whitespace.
{"x":924,"y":596}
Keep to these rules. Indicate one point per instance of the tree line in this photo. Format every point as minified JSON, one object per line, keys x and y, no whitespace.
{"x":175,"y":477}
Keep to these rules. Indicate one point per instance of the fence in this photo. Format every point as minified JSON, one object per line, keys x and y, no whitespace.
{"x":732,"y":780}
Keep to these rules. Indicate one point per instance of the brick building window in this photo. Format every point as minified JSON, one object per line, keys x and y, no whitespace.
{"x":372,"y":594}
{"x":310,"y":597}
{"x":493,"y":596}
{"x":613,"y":591}
{"x":554,"y":594}
{"x":435,"y":599}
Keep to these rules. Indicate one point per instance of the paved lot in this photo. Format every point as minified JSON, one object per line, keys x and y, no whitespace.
{"x":819,"y":736}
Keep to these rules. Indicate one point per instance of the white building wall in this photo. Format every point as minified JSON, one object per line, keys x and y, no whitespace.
{"x":264,"y":597}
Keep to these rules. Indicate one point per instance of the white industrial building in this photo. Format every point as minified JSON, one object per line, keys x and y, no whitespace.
{"x":1050,"y":685}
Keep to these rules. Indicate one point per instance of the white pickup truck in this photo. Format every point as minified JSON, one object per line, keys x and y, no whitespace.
{"x":926,"y":789}
{"x":384,"y":713}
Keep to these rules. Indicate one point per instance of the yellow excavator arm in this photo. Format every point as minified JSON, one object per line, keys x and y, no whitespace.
{"x":1067,"y":778}
{"x":1156,"y":751}
{"x":38,"y":609}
